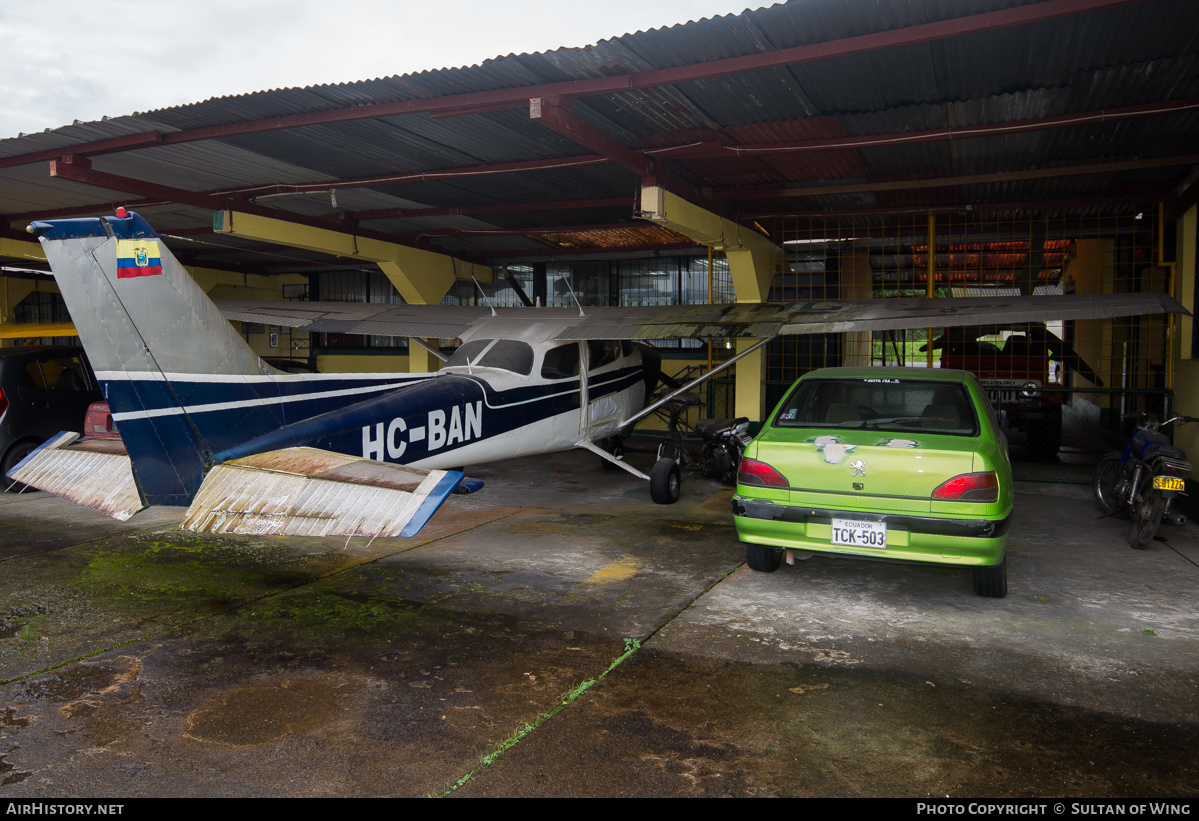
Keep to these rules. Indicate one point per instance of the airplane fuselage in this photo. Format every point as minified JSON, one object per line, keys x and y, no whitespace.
{"x":558,"y":395}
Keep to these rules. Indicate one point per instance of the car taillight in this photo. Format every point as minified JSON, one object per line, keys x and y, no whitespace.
{"x":759,"y":474}
{"x":970,"y":487}
{"x":3,"y":403}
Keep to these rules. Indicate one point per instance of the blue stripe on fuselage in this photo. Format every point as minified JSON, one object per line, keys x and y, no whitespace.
{"x":405,"y":424}
{"x":414,"y":423}
{"x":168,"y":456}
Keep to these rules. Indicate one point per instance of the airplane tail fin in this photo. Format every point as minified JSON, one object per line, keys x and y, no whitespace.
{"x":155,"y":340}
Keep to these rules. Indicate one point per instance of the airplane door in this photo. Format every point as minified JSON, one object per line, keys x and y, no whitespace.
{"x":602,"y":400}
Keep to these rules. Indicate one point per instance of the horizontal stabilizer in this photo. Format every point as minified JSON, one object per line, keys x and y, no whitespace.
{"x":468,"y":486}
{"x":95,"y":473}
{"x":311,"y":492}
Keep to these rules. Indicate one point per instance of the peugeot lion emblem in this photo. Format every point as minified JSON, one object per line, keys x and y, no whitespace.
{"x":857,"y":468}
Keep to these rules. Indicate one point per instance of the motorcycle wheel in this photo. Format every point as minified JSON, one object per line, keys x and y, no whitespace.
{"x":1145,"y":520}
{"x":1107,"y":477}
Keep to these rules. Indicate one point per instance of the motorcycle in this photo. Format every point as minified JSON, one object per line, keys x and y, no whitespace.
{"x":724,"y":441}
{"x":1142,"y":481}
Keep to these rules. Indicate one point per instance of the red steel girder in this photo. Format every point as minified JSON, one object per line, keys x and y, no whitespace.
{"x":496,"y":208}
{"x":83,"y":174}
{"x":940,"y":134}
{"x":514,"y":97}
{"x":892,"y":184}
{"x":556,"y":116}
{"x":70,"y":168}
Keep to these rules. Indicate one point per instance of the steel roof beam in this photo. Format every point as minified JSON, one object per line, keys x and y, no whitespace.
{"x":497,"y":208}
{"x":713,"y":149}
{"x":893,"y":184}
{"x":79,"y":171}
{"x":516,"y":97}
{"x":707,"y":149}
{"x":555,"y":115}
{"x":523,"y":232}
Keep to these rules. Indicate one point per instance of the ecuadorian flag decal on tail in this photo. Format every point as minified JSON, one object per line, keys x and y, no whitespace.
{"x":138,"y":258}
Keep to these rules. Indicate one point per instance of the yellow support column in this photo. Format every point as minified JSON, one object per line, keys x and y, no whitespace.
{"x":1186,"y":397}
{"x":422,"y":277}
{"x":751,"y":259}
{"x":21,"y":249}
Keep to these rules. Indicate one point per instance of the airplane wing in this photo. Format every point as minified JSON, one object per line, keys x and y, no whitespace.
{"x":689,"y":321}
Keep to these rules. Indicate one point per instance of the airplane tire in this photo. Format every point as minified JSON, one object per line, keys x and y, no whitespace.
{"x":665,"y":482}
{"x":616,"y":448}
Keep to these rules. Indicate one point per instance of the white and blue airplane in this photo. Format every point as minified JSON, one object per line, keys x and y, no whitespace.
{"x":205,"y":422}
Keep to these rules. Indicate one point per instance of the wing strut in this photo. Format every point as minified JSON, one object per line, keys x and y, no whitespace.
{"x":651,"y":408}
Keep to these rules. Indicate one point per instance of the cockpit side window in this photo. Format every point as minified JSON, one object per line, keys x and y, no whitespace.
{"x":561,"y":362}
{"x":602,"y":352}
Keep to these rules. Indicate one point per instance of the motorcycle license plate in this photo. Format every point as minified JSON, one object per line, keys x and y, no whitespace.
{"x":1168,"y":483}
{"x":854,"y":533}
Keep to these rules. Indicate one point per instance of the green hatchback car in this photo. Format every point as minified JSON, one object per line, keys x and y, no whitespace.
{"x":893,"y":463}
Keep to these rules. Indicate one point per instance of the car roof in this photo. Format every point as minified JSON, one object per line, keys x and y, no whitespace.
{"x":28,"y":350}
{"x":891,"y":372}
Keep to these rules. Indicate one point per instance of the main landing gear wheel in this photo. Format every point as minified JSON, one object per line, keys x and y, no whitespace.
{"x":763,"y":559}
{"x":616,"y":448}
{"x":665,"y":482}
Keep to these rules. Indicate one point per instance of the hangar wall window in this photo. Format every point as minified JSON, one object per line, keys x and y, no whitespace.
{"x":357,"y":285}
{"x":43,"y":307}
{"x":633,"y":282}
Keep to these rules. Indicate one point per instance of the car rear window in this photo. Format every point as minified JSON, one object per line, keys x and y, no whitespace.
{"x":911,"y":405}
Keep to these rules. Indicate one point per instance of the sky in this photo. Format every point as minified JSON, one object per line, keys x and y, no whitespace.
{"x":70,"y":60}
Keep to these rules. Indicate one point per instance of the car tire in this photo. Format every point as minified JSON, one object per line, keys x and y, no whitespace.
{"x":991,"y":582}
{"x":665,"y":482}
{"x":1146,"y":518}
{"x":1107,"y":477}
{"x":763,"y":559}
{"x":1045,"y":437}
{"x":15,"y":454}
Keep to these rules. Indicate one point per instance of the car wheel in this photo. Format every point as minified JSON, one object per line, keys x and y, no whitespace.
{"x":1146,"y":518}
{"x":763,"y":559}
{"x":1107,"y":477}
{"x":1045,"y":437}
{"x":991,"y":581}
{"x":11,"y":459}
{"x":665,"y":482}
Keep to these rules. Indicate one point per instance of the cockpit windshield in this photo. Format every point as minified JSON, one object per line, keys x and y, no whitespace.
{"x":505,"y":354}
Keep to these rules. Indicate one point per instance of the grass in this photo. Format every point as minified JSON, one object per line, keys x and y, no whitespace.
{"x":631,"y":646}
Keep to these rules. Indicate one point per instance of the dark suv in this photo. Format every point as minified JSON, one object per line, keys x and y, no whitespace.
{"x":43,"y":390}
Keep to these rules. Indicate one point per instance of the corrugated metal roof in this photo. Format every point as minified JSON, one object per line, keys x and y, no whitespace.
{"x":1090,"y":61}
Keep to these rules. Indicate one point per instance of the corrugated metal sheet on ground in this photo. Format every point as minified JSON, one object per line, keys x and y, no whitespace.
{"x":308,"y":492}
{"x":94,"y":473}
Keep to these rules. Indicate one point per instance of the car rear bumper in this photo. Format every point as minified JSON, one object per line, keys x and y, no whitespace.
{"x":979,"y":542}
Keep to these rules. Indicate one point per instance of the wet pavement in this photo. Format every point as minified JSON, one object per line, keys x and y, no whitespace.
{"x":557,"y":634}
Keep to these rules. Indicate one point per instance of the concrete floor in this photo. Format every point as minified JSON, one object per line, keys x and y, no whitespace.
{"x":557,"y":634}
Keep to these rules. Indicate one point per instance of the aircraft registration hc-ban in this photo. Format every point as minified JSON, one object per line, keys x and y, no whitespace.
{"x":206,"y":423}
